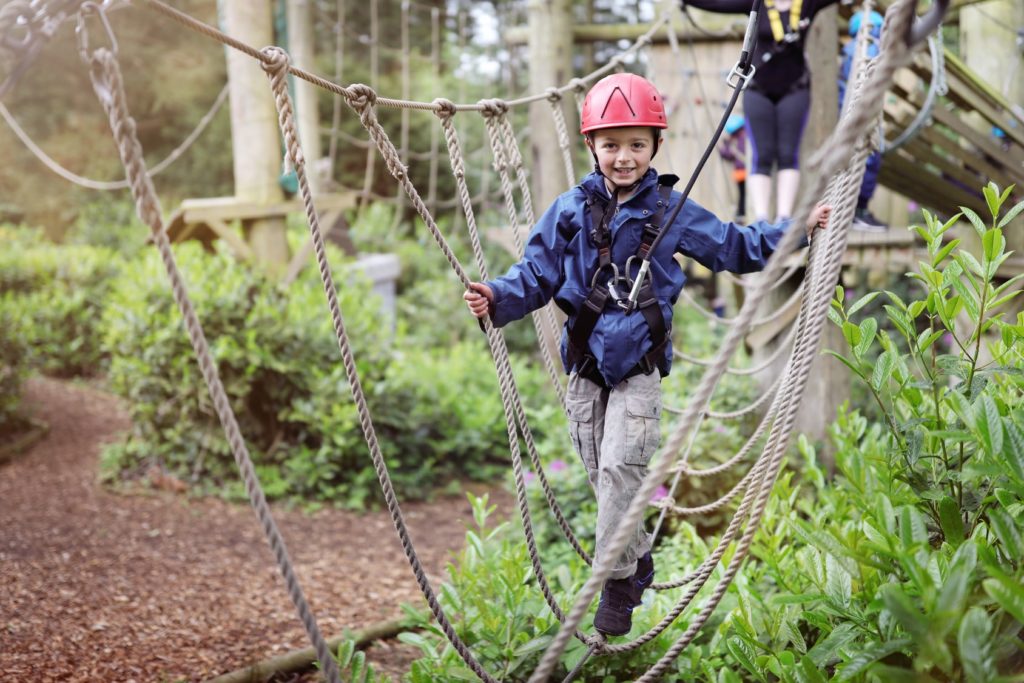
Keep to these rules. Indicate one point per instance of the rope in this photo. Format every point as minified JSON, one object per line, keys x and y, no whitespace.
{"x":105,"y":74}
{"x":51,"y":164}
{"x":555,"y":100}
{"x":445,"y":114}
{"x":349,"y":93}
{"x":830,"y":158}
{"x":498,"y":137}
{"x":277,"y":69}
{"x":786,"y":344}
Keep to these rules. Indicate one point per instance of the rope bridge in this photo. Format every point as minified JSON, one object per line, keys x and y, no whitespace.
{"x":839,"y":164}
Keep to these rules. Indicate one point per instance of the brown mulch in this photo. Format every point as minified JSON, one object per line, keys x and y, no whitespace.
{"x":100,"y":586}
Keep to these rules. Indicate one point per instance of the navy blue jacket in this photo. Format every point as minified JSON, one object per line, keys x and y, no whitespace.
{"x":560,"y":260}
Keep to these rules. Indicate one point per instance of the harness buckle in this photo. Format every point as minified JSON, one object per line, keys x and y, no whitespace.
{"x":739,"y":79}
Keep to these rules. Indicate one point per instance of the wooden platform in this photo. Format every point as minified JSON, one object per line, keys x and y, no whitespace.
{"x":213,"y":218}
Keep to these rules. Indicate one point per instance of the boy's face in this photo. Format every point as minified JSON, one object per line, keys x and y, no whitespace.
{"x":624,"y":154}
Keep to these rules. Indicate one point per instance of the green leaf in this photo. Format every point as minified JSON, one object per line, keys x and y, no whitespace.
{"x":882,"y":370}
{"x":838,"y":584}
{"x":1008,"y":594}
{"x":744,"y":654}
{"x":974,"y":639}
{"x":1011,"y":214}
{"x":992,"y":199}
{"x":993,"y":245}
{"x":867,"y":656}
{"x":912,"y":529}
{"x":862,"y":302}
{"x":942,"y":253}
{"x":975,"y":219}
{"x":905,"y":611}
{"x":1005,"y":528}
{"x":868,"y":327}
{"x":989,"y":424}
{"x":1013,"y":448}
{"x":826,"y":651}
{"x":952,"y":522}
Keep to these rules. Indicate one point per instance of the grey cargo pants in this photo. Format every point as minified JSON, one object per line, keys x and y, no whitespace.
{"x":616,"y":431}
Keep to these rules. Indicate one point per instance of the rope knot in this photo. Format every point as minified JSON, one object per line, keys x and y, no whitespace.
{"x":361,"y":96}
{"x":578,"y":84}
{"x":494,"y":107}
{"x":553,"y":94}
{"x":276,"y":60}
{"x":443,"y":109}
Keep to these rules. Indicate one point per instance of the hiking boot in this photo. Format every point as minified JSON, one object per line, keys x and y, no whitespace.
{"x":643,"y":578}
{"x":614,"y":615}
{"x":864,"y":220}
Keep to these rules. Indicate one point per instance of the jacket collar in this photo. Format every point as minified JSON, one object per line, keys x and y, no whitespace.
{"x":593,"y":184}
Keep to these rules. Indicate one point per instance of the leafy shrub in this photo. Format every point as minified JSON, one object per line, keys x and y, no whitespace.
{"x":60,"y":291}
{"x":275,"y":353}
{"x":907,"y":566}
{"x":13,"y":352}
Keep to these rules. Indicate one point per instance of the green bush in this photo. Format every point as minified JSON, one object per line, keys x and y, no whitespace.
{"x":907,"y":566}
{"x":275,"y":352}
{"x":60,"y":292}
{"x":13,"y":368}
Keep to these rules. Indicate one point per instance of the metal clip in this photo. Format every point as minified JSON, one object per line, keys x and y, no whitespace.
{"x":82,"y":31}
{"x":738,"y":79}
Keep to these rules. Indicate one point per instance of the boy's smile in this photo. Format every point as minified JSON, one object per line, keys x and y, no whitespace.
{"x":623,"y":154}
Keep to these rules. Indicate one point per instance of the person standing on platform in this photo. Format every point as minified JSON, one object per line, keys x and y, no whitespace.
{"x":777,"y":100}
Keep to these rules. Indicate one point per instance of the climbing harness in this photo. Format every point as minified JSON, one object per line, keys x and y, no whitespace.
{"x":796,"y":22}
{"x":617,"y":284}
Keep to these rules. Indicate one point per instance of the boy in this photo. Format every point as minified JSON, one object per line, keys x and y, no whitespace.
{"x":577,"y":254}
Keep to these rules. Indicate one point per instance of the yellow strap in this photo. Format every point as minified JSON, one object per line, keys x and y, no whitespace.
{"x":775,"y":19}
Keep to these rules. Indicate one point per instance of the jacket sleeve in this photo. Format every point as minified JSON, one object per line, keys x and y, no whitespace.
{"x":530,"y":283}
{"x":721,"y":6}
{"x":732,"y":247}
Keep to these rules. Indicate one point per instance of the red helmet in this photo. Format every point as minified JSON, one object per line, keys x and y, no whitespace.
{"x":622,"y":100}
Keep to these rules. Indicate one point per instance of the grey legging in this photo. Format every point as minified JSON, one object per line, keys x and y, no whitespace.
{"x":775,"y":128}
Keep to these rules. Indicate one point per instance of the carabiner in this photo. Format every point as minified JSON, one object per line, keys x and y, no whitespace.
{"x":82,"y":31}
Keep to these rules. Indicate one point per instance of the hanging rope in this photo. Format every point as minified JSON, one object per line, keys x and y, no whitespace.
{"x":51,"y":164}
{"x":106,"y":79}
{"x":838,"y":150}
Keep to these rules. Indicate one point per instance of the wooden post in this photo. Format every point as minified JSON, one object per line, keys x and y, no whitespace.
{"x":300,"y":46}
{"x":255,"y":136}
{"x":550,"y":46}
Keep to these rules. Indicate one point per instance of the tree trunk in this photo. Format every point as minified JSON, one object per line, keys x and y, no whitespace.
{"x":255,"y":136}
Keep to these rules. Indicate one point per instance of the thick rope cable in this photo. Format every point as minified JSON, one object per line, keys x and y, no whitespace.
{"x":830,"y":158}
{"x":785,"y":345}
{"x":91,"y":184}
{"x":558,"y":116}
{"x":364,"y":107}
{"x":515,"y":159}
{"x":446,"y":114}
{"x":494,"y":115}
{"x":277,"y":69}
{"x":106,"y":79}
{"x":211,"y":32}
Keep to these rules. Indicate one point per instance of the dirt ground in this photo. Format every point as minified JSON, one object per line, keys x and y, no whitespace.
{"x":99,"y":586}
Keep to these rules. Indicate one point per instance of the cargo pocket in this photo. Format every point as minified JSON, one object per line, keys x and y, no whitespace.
{"x":581,"y":428}
{"x":643,"y":428}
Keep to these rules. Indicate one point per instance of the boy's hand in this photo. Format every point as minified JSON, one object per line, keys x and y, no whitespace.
{"x":479,"y":298}
{"x":818,"y":218}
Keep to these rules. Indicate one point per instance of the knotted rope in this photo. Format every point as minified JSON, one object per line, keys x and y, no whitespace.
{"x":107,"y":82}
{"x":837,"y":151}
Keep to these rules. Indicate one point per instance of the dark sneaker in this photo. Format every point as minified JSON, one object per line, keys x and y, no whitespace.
{"x":866,"y":221}
{"x":643,"y":578}
{"x":614,"y":615}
